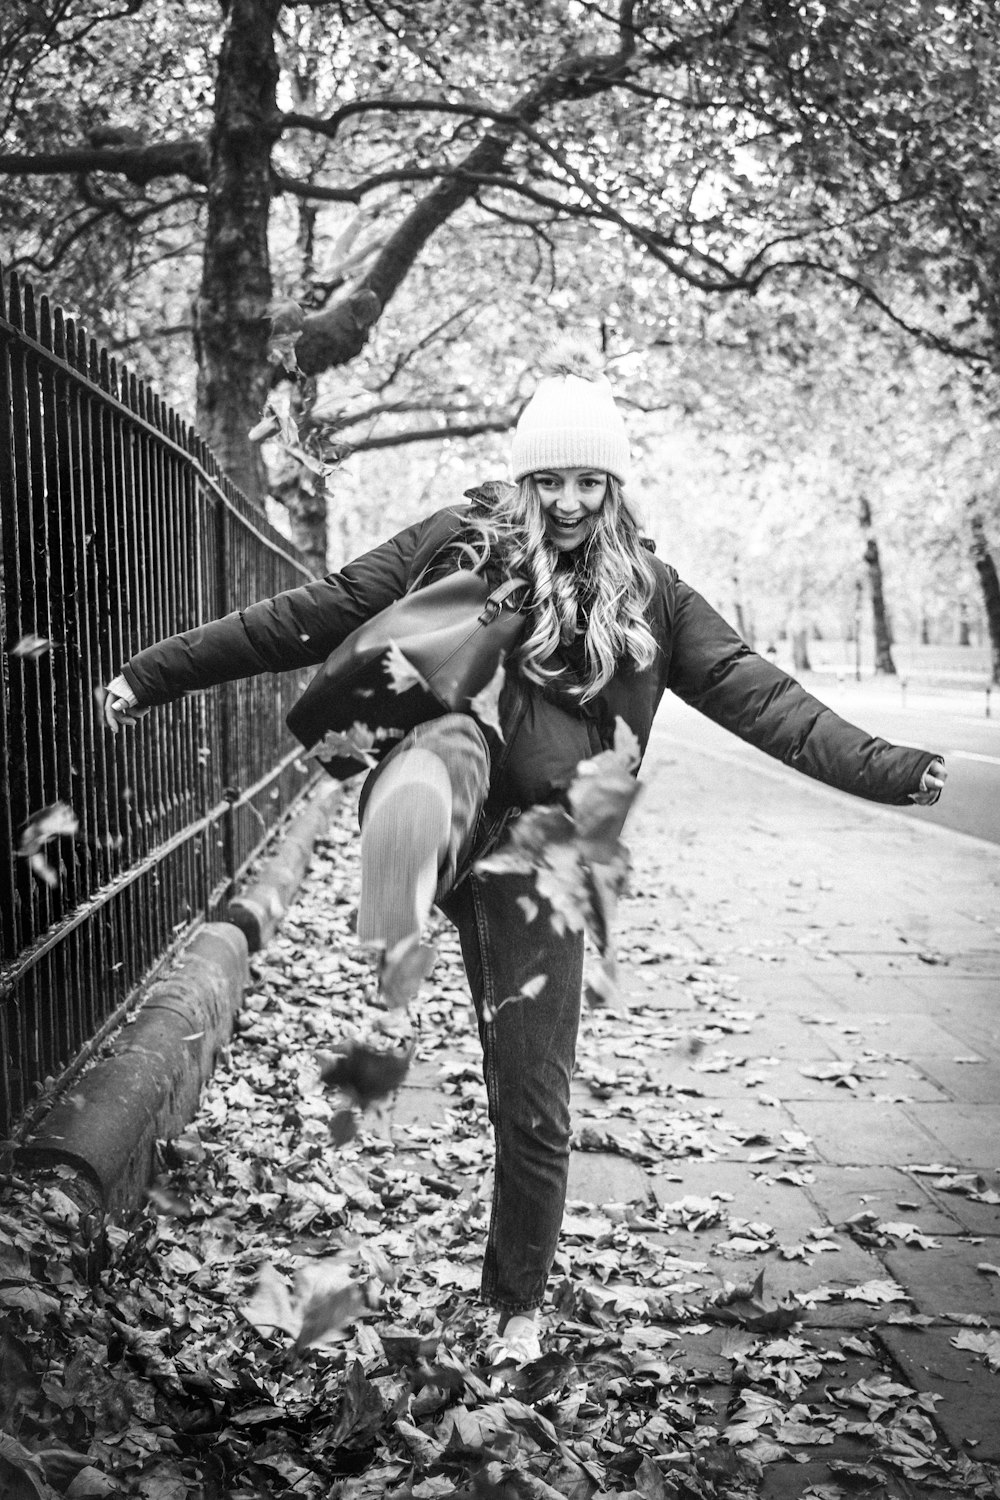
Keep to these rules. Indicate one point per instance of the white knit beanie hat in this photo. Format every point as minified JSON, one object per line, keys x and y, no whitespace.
{"x":571,"y":422}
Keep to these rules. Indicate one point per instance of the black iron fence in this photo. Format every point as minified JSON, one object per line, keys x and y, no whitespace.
{"x":116,"y":528}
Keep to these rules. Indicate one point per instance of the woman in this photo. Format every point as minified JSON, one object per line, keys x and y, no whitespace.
{"x":609,"y":628}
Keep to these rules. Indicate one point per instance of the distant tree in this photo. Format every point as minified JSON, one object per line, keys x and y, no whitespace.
{"x":987,"y":569}
{"x":876,"y":591}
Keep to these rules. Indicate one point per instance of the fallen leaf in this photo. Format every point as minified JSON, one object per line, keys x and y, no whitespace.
{"x":986,"y":1344}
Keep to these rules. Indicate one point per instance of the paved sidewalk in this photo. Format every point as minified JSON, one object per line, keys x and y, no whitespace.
{"x":814,"y":981}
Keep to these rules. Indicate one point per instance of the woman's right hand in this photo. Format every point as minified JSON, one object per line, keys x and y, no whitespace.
{"x":121,"y":706}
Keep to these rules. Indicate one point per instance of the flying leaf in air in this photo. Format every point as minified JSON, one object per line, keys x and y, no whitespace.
{"x":317,"y":1309}
{"x":52,"y":822}
{"x":364,"y":1072}
{"x":402,"y":674}
{"x":32,"y":647}
{"x":528,"y":991}
{"x":357,"y":743}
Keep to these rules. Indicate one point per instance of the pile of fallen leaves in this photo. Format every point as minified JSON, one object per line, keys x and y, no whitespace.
{"x":295,"y":1312}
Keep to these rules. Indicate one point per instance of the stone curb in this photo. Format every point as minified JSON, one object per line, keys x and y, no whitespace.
{"x":259,"y":909}
{"x":101,"y":1136}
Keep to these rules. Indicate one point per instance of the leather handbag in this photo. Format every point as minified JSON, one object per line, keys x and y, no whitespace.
{"x":431,"y":652}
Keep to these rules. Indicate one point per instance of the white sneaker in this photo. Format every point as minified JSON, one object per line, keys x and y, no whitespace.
{"x":519,"y":1343}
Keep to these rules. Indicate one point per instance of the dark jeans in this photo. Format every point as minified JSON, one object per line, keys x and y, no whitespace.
{"x":529,"y":1044}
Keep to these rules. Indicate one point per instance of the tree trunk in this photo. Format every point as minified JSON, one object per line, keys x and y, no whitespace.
{"x":800,"y":650}
{"x":990,"y":585}
{"x":740,"y":616}
{"x":307,"y":511}
{"x":232,"y":335}
{"x":883,"y":639}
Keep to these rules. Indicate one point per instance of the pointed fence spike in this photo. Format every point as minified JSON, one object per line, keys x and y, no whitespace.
{"x":30,"y":321}
{"x":14,"y":293}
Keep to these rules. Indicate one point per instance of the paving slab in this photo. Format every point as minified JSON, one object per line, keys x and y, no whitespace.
{"x":945,"y":1282}
{"x":790,"y":1481}
{"x":418,"y":1106}
{"x":746,"y":1195}
{"x":892,"y":1194}
{"x":974,"y":1216}
{"x":969,"y":1410}
{"x":967,"y":1133}
{"x":597,"y":1177}
{"x":965,"y":1082}
{"x":870,"y":1078}
{"x":906,"y":1034}
{"x":862,"y":1133}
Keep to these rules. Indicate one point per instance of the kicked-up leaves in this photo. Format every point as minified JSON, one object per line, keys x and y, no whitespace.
{"x":366,"y":1073}
{"x":56,"y":821}
{"x":316,"y":1309}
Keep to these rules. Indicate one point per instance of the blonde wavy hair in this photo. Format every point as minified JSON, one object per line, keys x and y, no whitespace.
{"x":611,"y":578}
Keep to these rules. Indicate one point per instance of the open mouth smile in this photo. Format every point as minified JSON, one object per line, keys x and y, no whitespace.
{"x":567,"y":525}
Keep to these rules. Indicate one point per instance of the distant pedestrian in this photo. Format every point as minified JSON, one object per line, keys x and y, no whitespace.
{"x":609,"y":628}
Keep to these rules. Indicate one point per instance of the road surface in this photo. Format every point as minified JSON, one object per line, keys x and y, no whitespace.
{"x":954,"y":724}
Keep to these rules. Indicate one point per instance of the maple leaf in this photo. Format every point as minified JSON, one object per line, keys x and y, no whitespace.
{"x":357,"y":743}
{"x":364,"y":1072}
{"x":528,"y":991}
{"x":281,"y":344}
{"x":32,"y":647}
{"x":21,"y":1470}
{"x":52,"y":822}
{"x":749,"y":1307}
{"x":402,"y":674}
{"x":600,"y":797}
{"x":404,"y":968}
{"x":875,"y":1292}
{"x":986,"y":1344}
{"x":265,"y":428}
{"x":575,"y":854}
{"x":315,"y":1310}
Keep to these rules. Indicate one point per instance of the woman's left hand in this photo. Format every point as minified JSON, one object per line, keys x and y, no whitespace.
{"x":931,"y":784}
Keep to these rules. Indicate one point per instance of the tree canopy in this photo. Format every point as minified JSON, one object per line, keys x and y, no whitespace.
{"x":422,"y":193}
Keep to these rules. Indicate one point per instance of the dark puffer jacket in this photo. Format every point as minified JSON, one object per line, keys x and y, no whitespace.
{"x":700,"y":658}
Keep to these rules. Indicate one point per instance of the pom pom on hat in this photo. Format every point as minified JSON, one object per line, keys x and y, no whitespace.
{"x":571,"y":422}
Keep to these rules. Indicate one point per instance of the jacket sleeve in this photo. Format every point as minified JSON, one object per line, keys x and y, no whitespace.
{"x":298,"y":628}
{"x":714,"y":671}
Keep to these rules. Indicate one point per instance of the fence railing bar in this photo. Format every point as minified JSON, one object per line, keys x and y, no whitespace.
{"x":117,"y":527}
{"x":11,"y":973}
{"x":138,"y":418}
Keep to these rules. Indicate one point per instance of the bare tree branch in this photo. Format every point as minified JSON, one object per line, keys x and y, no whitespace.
{"x":391,"y":104}
{"x":431,"y":434}
{"x":140,"y":164}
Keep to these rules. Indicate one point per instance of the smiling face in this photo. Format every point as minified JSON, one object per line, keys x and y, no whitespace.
{"x":570,"y":501}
